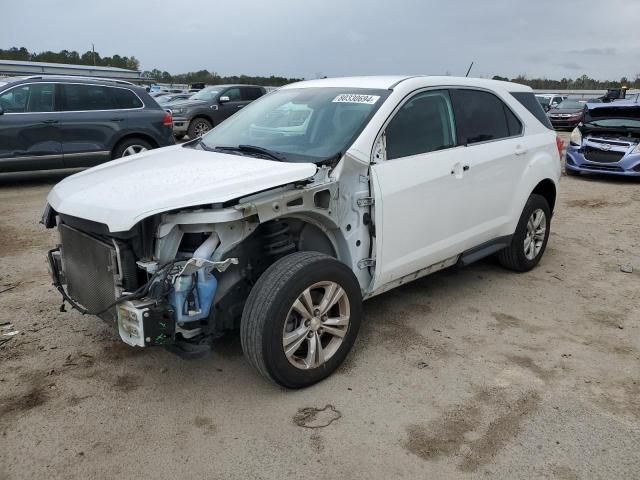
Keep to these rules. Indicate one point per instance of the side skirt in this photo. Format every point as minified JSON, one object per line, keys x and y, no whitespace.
{"x":484,"y":250}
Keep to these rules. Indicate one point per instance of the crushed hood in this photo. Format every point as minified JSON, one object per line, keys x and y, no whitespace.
{"x":122,"y":192}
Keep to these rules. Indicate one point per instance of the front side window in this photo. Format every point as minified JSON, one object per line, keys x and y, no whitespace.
{"x":423,"y":124}
{"x":32,"y":98}
{"x":481,"y":116}
{"x":300,"y":124}
{"x":78,"y":97}
{"x":233,"y":94}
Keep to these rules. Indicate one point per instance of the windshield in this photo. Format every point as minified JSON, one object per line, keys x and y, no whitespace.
{"x":544,"y":101}
{"x":571,"y":104}
{"x":300,"y":124}
{"x":207,"y":94}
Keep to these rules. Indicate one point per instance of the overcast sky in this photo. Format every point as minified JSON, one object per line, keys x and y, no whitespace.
{"x":304,"y":38}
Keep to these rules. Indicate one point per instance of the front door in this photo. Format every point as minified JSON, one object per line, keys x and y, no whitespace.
{"x":29,"y":132}
{"x":420,"y":189}
{"x":235,"y":102}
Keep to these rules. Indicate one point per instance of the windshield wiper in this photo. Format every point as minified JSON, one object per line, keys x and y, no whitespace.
{"x":255,"y":149}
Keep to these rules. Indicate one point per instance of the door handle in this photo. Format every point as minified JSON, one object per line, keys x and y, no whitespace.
{"x":117,"y":120}
{"x":49,"y":121}
{"x":520,"y":150}
{"x":240,"y":106}
{"x":465,"y":168}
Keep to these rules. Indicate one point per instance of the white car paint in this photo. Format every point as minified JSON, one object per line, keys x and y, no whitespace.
{"x":123,"y":192}
{"x":423,"y":213}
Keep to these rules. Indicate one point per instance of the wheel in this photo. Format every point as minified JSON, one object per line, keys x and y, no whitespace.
{"x":179,"y":136}
{"x":530,"y":238}
{"x":198,"y":127}
{"x":301,"y":319}
{"x":131,"y":146}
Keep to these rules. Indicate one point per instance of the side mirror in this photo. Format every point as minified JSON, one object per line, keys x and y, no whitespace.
{"x":1,"y":110}
{"x":224,"y":99}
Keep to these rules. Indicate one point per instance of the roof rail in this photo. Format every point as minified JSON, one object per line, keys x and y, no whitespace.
{"x":79,"y":77}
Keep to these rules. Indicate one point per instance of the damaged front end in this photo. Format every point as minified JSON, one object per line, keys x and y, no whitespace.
{"x":150,"y":303}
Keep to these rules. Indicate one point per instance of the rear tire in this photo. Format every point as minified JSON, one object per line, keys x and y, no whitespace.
{"x":530,"y":238}
{"x":198,"y":127}
{"x":288,"y":333}
{"x":131,"y":146}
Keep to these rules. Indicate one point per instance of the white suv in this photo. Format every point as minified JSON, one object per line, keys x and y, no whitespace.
{"x":282,"y":219}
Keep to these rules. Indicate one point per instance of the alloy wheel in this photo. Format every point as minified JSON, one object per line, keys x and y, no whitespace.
{"x":316,"y":325}
{"x":536,"y":230}
{"x":133,"y":149}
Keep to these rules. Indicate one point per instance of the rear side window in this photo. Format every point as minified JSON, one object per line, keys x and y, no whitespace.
{"x":423,"y":124}
{"x":531,"y":103}
{"x":515,"y":126}
{"x":251,"y":93}
{"x":125,"y":98}
{"x":86,"y":97}
{"x":480,"y":116}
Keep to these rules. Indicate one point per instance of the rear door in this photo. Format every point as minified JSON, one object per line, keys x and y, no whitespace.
{"x":493,"y":136}
{"x":29,"y":132}
{"x":89,"y":123}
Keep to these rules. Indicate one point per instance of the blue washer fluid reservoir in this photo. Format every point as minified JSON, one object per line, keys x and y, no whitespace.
{"x":183,"y":294}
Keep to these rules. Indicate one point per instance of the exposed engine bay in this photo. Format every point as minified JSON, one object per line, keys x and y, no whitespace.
{"x":180,"y":279}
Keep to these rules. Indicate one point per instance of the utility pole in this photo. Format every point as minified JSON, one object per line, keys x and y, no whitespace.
{"x":93,"y":54}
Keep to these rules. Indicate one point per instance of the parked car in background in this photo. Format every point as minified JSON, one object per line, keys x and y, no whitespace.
{"x":49,"y":122}
{"x":210,"y":106}
{"x":349,"y":188}
{"x":607,"y":140}
{"x":549,"y":100}
{"x":568,"y":114}
{"x":169,"y":98}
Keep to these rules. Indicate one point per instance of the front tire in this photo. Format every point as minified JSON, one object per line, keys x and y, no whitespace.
{"x":198,"y":127}
{"x":530,"y":238}
{"x":301,"y":319}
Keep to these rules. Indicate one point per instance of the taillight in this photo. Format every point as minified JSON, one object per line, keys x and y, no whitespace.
{"x":560,"y":145}
{"x":167,"y":121}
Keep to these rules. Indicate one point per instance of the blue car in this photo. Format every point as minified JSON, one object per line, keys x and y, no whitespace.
{"x":607,"y":140}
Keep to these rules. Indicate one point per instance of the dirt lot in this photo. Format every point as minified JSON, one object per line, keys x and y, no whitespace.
{"x":470,"y":373}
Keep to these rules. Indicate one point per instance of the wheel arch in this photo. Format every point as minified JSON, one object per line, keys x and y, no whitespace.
{"x":204,"y":116}
{"x":129,"y":136}
{"x":547,"y":189}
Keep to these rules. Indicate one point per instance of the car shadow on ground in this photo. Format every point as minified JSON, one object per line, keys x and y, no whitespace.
{"x":33,"y":179}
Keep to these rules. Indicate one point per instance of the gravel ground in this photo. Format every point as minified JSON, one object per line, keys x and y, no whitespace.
{"x":469,"y":373}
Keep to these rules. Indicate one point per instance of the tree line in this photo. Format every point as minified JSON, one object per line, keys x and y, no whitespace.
{"x":581,"y":83}
{"x":70,"y":57}
{"x":212,"y":78}
{"x":89,"y":57}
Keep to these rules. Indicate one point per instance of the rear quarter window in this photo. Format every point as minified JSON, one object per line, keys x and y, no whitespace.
{"x":531,"y":103}
{"x":125,"y":98}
